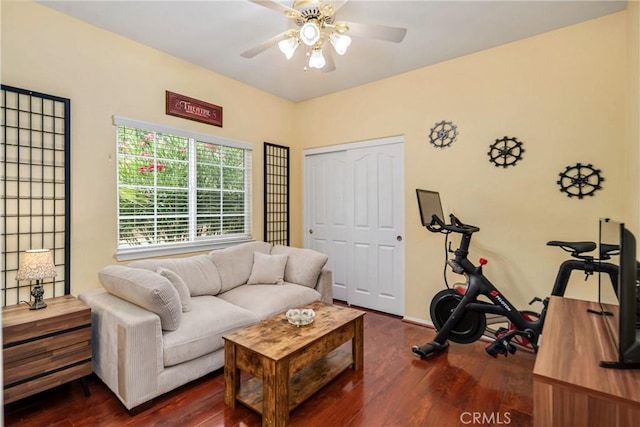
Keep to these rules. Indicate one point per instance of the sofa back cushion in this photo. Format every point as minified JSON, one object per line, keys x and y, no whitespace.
{"x":234,"y":263}
{"x":198,"y":272}
{"x":146,"y":289}
{"x":303,"y":265}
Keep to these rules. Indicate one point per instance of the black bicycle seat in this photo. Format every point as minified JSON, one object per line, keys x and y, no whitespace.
{"x":574,"y":247}
{"x":607,"y":250}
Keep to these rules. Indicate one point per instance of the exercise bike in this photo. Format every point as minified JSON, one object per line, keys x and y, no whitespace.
{"x":461,"y":317}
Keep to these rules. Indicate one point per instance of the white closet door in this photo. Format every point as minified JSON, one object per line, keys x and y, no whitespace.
{"x":326,"y":208}
{"x":355,"y":214}
{"x":375,"y":242}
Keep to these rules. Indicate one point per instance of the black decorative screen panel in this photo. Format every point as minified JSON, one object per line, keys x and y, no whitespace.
{"x":35,"y":188}
{"x":276,"y":194}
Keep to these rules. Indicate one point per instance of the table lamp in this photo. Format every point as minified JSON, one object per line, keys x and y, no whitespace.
{"x":36,"y":264}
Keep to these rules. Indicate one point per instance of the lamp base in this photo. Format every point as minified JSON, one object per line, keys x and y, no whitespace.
{"x":37,"y":292}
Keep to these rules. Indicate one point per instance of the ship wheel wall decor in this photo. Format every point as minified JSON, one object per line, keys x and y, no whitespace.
{"x":443,"y":134}
{"x":580,"y":180}
{"x":505,"y":152}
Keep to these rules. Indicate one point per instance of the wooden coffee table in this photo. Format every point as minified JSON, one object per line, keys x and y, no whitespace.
{"x":288,"y":363}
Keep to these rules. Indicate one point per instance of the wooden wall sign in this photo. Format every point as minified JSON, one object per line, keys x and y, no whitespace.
{"x":193,"y":109}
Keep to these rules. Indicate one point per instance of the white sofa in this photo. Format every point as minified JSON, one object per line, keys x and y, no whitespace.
{"x":158,"y":323}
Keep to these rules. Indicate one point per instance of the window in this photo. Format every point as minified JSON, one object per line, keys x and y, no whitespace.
{"x":179,"y":190}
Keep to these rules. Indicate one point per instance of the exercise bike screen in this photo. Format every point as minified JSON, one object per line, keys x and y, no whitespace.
{"x":429,"y":204}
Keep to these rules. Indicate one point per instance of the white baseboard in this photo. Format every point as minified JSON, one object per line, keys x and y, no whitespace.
{"x":417,"y":321}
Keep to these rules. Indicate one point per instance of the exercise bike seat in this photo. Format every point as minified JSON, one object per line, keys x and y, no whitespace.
{"x":574,"y":247}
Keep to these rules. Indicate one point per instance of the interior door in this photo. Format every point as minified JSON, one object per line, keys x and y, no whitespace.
{"x":376,"y":261}
{"x":355,"y":214}
{"x":327,"y":218}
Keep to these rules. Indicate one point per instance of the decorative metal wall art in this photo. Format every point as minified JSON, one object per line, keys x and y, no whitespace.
{"x":443,"y":134}
{"x":505,"y":152}
{"x":580,"y":180}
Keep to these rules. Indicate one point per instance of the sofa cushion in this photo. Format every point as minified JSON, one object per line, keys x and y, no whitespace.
{"x":268,"y":300}
{"x":303,"y":265}
{"x":198,"y":272}
{"x":234,"y":263}
{"x":145,"y":288}
{"x":202,"y":328}
{"x":181,"y":287}
{"x":267,"y":269}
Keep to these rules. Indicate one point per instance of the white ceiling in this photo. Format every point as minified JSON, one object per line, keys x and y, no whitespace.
{"x":214,"y":33}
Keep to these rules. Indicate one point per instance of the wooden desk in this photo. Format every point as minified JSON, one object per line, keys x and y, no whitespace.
{"x":44,"y":348}
{"x":569,"y":387}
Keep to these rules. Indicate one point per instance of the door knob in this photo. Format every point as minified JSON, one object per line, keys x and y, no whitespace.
{"x":399,"y":238}
{"x":311,"y":231}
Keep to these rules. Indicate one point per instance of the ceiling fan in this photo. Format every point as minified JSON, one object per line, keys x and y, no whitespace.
{"x":316,"y":24}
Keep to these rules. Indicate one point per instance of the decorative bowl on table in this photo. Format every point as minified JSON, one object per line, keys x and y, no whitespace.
{"x":300,"y":317}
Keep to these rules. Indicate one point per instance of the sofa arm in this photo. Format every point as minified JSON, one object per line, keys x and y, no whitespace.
{"x":325,"y":286}
{"x":127,"y":346}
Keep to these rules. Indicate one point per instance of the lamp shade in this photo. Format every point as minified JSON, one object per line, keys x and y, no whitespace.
{"x":340,"y":42}
{"x":36,"y":264}
{"x":289,"y":46}
{"x":316,"y":60}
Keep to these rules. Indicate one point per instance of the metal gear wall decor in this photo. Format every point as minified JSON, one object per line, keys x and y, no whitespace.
{"x":580,"y":180}
{"x":505,"y":152}
{"x":443,"y":134}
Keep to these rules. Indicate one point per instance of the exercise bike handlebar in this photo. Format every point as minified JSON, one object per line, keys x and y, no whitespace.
{"x":437,"y":225}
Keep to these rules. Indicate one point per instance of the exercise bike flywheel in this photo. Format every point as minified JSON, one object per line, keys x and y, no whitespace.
{"x":471,"y":325}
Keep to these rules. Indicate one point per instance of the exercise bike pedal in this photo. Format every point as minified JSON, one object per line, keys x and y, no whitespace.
{"x":430,"y":348}
{"x":502,"y":343}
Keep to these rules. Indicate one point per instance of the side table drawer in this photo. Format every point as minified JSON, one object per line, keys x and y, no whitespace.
{"x":51,"y":380}
{"x":33,"y":358}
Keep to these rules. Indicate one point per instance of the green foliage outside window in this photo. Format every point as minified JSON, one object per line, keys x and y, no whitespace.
{"x":154,"y":188}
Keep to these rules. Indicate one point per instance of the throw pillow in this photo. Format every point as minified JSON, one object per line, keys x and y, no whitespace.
{"x":180,"y":285}
{"x":267,"y":269}
{"x":303,"y":265}
{"x":235,"y":262}
{"x":146,"y":289}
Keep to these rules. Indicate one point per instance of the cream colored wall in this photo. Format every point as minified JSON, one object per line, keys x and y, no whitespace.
{"x":562,"y":93}
{"x":105,"y":75}
{"x":633,"y":137}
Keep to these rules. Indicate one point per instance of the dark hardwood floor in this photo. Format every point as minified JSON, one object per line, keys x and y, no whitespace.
{"x":394,"y":389}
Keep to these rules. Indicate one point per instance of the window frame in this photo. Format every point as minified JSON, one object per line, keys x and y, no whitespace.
{"x":125,"y":252}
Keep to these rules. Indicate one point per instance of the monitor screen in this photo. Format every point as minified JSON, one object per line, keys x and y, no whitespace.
{"x":616,"y":239}
{"x":429,"y":204}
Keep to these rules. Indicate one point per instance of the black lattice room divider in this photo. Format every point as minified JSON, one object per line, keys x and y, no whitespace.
{"x":276,"y":194}
{"x":35,"y":187}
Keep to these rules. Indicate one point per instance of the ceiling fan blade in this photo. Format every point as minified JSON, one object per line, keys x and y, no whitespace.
{"x":263,"y":46}
{"x":338,"y":4}
{"x":274,"y":5}
{"x":380,"y":32}
{"x":330,"y":65}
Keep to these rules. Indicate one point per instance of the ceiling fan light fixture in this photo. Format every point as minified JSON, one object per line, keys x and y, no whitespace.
{"x":340,"y":42}
{"x":310,"y":33}
{"x":341,"y":27}
{"x":288,"y":46}
{"x":316,"y":60}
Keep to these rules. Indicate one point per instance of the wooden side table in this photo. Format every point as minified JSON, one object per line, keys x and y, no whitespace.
{"x":44,"y":348}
